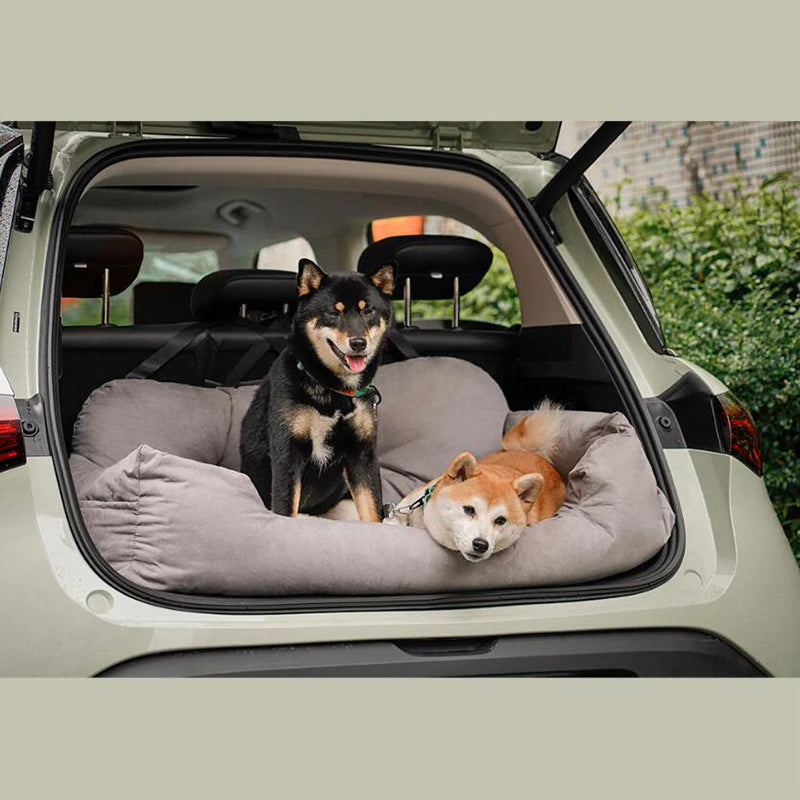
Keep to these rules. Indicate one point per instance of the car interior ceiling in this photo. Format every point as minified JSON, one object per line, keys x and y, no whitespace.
{"x":235,"y":215}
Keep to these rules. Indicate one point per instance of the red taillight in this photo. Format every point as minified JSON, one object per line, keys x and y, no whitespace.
{"x":739,"y":431}
{"x":12,"y":444}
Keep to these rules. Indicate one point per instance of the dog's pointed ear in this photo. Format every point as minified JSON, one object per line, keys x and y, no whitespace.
{"x":383,"y":277}
{"x":529,"y":487}
{"x":462,"y":467}
{"x":309,"y":277}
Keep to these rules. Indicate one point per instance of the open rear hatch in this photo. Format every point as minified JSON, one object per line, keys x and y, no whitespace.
{"x":534,"y":137}
{"x":263,"y":138}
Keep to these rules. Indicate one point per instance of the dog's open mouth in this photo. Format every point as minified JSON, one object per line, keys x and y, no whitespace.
{"x":355,"y":363}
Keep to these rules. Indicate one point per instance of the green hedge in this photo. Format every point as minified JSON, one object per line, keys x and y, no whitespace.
{"x":725,"y":275}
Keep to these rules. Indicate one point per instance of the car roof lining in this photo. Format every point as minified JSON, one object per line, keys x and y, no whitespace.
{"x":318,"y":198}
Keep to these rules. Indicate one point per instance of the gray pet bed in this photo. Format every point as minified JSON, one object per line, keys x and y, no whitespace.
{"x":156,"y":465}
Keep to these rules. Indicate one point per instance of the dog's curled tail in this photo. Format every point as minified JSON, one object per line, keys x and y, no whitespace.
{"x":538,"y":432}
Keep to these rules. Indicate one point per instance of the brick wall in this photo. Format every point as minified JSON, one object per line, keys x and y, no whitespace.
{"x":676,"y":159}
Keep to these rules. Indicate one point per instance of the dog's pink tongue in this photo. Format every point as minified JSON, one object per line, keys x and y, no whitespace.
{"x":356,"y":363}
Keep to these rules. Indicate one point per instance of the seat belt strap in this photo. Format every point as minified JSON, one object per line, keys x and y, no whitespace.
{"x":249,"y":359}
{"x":190,"y":336}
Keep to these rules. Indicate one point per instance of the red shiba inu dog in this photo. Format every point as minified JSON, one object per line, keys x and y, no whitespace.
{"x":481,"y":507}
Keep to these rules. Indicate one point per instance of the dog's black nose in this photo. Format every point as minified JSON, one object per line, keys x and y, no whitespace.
{"x":480,"y":545}
{"x":358,"y":344}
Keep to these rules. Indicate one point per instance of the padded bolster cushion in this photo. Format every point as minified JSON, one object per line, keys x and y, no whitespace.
{"x":165,"y":521}
{"x":93,"y":248}
{"x":219,"y":295}
{"x":464,"y":408}
{"x":188,"y":421}
{"x":431,"y":262}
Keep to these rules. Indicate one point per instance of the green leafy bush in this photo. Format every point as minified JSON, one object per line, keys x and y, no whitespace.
{"x":724,"y":275}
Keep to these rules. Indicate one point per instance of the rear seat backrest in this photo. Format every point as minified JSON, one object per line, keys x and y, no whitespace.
{"x":249,"y":313}
{"x":93,"y":355}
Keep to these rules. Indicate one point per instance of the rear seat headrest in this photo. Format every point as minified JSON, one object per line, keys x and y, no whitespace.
{"x":431,"y":261}
{"x":219,"y":296}
{"x":92,"y":249}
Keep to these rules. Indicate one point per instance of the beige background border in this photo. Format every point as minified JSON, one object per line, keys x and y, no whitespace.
{"x":415,"y":59}
{"x":380,"y":738}
{"x":353,"y":739}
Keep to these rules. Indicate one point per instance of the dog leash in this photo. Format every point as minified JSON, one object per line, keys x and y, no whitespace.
{"x":390,"y":510}
{"x":369,"y":389}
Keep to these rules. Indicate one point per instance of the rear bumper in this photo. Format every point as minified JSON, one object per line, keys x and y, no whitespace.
{"x":629,"y":653}
{"x":737,"y":583}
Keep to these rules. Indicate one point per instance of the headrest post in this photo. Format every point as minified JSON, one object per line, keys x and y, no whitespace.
{"x":243,"y":311}
{"x":456,"y":303}
{"x":106,"y":297}
{"x":407,"y":303}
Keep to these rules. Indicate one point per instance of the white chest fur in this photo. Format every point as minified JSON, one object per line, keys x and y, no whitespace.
{"x":308,"y":423}
{"x":319,"y":432}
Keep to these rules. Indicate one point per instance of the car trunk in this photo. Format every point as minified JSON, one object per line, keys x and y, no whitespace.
{"x":567,"y":358}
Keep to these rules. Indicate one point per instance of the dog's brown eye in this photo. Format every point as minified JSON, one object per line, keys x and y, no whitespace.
{"x":469,"y":511}
{"x":500,"y":521}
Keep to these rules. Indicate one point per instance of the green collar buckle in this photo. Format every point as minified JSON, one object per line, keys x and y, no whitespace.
{"x":369,"y":389}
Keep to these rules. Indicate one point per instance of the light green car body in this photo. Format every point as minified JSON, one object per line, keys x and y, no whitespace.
{"x":737,"y":578}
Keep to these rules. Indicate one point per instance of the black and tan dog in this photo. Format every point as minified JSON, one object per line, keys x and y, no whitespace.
{"x":308,"y":438}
